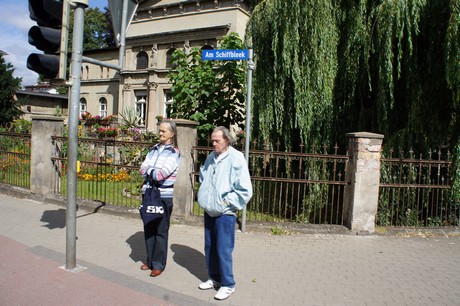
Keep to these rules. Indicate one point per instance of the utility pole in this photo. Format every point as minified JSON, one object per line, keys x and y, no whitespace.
{"x":74,"y":112}
{"x":248,"y":124}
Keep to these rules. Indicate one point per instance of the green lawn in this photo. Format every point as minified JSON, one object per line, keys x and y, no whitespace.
{"x":115,"y":193}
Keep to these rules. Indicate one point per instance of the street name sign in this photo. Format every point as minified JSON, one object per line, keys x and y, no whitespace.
{"x":225,"y":55}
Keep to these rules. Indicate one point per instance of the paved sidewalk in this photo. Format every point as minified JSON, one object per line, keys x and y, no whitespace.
{"x":301,"y":269}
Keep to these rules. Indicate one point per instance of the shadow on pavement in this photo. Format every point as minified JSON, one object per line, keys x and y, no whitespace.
{"x":54,"y":218}
{"x":190,"y":259}
{"x":57,"y":218}
{"x":137,"y":244}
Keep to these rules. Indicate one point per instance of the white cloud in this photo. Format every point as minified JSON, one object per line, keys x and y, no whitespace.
{"x":15,"y":24}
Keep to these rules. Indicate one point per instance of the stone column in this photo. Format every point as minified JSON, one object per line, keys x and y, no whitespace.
{"x":42,"y":170}
{"x":363,"y":173}
{"x":152,"y":106}
{"x":126,"y":97}
{"x":183,"y":188}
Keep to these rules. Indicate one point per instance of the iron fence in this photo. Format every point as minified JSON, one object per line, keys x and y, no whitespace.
{"x":15,"y":149}
{"x":107,"y":170}
{"x":417,"y":191}
{"x":305,"y":188}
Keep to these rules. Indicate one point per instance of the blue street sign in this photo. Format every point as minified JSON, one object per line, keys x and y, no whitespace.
{"x":225,"y":55}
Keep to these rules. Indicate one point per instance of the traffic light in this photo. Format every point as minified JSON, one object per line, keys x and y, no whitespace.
{"x":50,"y":35}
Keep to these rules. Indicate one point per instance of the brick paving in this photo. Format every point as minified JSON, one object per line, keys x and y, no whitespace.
{"x":297,"y":269}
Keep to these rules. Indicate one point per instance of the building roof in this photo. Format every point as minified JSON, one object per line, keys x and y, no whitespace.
{"x":167,"y":2}
{"x":156,"y":3}
{"x":40,"y":94}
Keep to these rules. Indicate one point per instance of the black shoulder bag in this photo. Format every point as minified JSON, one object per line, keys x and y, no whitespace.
{"x":151,"y":208}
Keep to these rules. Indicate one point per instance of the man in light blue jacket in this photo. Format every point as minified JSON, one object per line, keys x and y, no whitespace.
{"x":225,"y":188}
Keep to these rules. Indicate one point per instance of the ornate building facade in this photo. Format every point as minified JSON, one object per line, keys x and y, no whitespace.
{"x":157,"y":29}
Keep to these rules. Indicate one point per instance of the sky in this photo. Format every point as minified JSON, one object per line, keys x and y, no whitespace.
{"x":15,"y":24}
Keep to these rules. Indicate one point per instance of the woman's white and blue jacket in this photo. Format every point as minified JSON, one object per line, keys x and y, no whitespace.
{"x":160,"y":166}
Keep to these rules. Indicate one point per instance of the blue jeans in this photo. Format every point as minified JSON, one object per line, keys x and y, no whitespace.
{"x":219,"y":241}
{"x":156,"y":238}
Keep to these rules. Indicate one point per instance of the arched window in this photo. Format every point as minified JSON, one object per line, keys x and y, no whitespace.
{"x":169,"y":101}
{"x":142,"y":61}
{"x":207,"y":47}
{"x":169,"y":58}
{"x":103,"y":107}
{"x":141,"y":106}
{"x":83,"y":107}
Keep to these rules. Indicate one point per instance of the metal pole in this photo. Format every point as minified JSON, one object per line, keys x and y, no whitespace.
{"x":248,"y":124}
{"x":121,"y":51}
{"x":100,"y":63}
{"x":71,"y":215}
{"x":124,"y":21}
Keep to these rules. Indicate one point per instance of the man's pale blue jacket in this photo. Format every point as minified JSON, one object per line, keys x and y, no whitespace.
{"x":225,"y":183}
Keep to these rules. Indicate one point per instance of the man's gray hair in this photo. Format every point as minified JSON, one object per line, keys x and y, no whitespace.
{"x":226,"y":134}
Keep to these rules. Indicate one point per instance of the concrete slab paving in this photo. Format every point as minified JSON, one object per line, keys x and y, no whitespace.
{"x":297,"y":269}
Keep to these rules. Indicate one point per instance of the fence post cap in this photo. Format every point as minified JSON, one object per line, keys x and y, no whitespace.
{"x":365,"y":135}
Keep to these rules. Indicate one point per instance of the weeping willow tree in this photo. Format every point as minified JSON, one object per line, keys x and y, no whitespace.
{"x":325,"y":68}
{"x":296,"y":63}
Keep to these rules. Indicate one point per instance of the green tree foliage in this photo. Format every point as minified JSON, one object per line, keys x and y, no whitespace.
{"x":98,"y":32}
{"x":10,"y":108}
{"x":294,"y":45}
{"x":325,"y":68}
{"x":453,"y":68}
{"x":210,"y":92}
{"x":109,"y":36}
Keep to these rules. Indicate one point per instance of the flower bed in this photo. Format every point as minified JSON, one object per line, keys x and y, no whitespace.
{"x":89,"y":120}
{"x":107,"y":132}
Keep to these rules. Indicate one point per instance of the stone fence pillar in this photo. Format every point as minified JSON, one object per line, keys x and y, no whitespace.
{"x":363,"y":173}
{"x":183,"y":187}
{"x":42,"y":170}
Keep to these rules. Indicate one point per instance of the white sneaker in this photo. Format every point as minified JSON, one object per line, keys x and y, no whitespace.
{"x":209,"y":284}
{"x":223,"y":293}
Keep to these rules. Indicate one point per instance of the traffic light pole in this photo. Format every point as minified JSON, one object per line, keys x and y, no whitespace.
{"x":71,"y":215}
{"x":74,"y":112}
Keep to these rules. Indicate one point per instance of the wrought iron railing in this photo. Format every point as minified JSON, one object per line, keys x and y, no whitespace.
{"x":417,"y":191}
{"x":305,"y":188}
{"x":15,"y":159}
{"x":300,"y":187}
{"x":107,"y":170}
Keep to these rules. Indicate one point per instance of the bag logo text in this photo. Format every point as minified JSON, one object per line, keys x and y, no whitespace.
{"x":155,"y":209}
